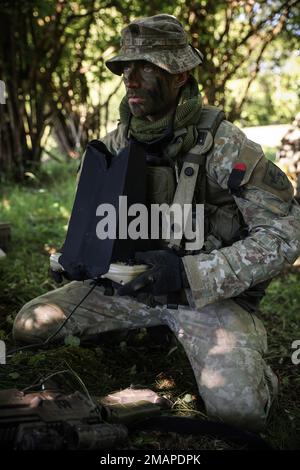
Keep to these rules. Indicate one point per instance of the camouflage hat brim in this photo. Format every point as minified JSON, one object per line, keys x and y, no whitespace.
{"x":172,"y":60}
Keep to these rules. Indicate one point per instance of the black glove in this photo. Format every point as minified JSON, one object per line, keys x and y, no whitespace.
{"x":165,"y":274}
{"x":59,"y":276}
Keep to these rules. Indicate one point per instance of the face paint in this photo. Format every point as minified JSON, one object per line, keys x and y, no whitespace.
{"x":150,"y":90}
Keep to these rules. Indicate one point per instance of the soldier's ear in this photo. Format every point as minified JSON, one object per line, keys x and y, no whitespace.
{"x":181,"y":79}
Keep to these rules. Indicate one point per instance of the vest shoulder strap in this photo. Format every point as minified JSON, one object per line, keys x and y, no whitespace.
{"x":210,"y":119}
{"x":193,"y":166}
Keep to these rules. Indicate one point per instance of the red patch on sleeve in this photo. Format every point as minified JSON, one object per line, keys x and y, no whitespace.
{"x":240,"y":166}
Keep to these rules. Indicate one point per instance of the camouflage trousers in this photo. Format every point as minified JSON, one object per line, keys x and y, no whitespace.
{"x":224,"y":343}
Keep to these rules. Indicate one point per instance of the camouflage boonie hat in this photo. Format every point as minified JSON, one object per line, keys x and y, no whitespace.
{"x":158,"y":39}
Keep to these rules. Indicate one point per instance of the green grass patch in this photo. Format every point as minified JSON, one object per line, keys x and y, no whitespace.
{"x":38,"y":213}
{"x":270,"y":153}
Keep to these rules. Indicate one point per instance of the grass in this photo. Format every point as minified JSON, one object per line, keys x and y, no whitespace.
{"x":270,"y":153}
{"x":38,"y":213}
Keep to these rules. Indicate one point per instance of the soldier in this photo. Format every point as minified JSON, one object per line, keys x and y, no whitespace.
{"x":252,"y":229}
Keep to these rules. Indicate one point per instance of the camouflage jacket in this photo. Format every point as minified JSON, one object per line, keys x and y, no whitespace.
{"x":249,"y":236}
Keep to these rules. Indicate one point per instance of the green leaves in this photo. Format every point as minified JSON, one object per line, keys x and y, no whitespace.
{"x":14,"y":375}
{"x":72,"y":340}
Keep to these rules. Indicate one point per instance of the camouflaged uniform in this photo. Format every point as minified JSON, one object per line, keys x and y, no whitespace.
{"x":249,"y":237}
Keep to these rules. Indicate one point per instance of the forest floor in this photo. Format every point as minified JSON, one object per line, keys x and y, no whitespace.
{"x":38,"y":212}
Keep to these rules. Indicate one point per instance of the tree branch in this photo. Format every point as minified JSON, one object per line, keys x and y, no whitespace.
{"x":254,"y":28}
{"x":237,"y":109}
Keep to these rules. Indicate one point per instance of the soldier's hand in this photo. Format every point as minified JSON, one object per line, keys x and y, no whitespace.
{"x":165,"y":274}
{"x":59,"y":276}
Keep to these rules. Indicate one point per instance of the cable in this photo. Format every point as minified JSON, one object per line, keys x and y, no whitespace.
{"x":70,"y":314}
{"x":42,"y":382}
{"x":47,"y":340}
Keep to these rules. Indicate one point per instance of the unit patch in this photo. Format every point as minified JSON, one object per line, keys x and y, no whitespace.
{"x":275,"y":177}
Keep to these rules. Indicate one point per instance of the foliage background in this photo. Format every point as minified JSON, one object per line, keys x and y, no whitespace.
{"x":60,"y":93}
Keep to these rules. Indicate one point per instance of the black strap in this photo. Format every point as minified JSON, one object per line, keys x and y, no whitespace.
{"x":210,"y":119}
{"x":235,"y":178}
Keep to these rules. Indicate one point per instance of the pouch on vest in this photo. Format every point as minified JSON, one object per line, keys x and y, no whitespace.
{"x":160,"y":185}
{"x":103,"y":179}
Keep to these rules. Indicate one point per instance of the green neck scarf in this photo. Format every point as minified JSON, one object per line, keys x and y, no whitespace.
{"x":186,"y":117}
